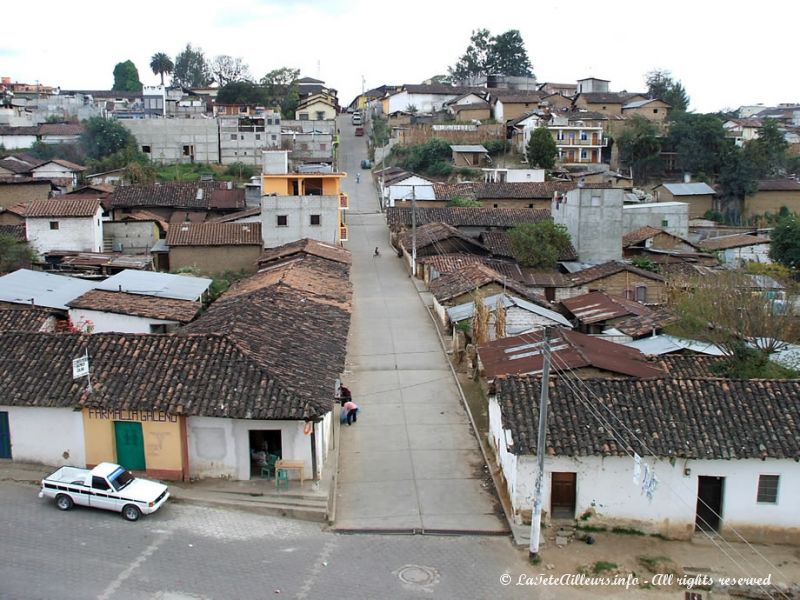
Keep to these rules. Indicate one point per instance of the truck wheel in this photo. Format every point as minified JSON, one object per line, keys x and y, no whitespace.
{"x":131,"y":512}
{"x":63,"y":502}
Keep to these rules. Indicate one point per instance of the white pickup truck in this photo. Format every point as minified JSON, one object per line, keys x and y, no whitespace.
{"x":107,"y":486}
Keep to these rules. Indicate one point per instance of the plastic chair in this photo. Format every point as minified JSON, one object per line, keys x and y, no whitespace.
{"x":268,"y":470}
{"x":281,"y":478}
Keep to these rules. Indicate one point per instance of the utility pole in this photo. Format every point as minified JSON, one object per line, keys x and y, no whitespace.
{"x":414,"y":230}
{"x":536,"y":517}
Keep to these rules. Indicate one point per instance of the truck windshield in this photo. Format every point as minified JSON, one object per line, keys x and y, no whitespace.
{"x":120,"y":478}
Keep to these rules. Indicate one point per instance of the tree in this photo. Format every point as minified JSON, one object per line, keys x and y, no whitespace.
{"x":785,"y":246}
{"x":126,"y":77}
{"x":104,"y":137}
{"x":191,"y":69}
{"x":14,"y":254}
{"x":281,"y":89}
{"x":768,"y":152}
{"x":539,"y":245}
{"x":226,"y":69}
{"x":726,"y":311}
{"x":737,"y":179}
{"x":242,"y":92}
{"x":639,"y":147}
{"x":699,"y":141}
{"x":161,"y":63}
{"x":661,"y":85}
{"x":509,"y":56}
{"x":541,"y":149}
{"x":504,"y":54}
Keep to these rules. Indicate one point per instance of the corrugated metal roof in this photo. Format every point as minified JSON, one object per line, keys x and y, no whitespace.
{"x":163,"y":285}
{"x":689,"y":189}
{"x":468,"y":148}
{"x":664,"y":344}
{"x":466,"y":310}
{"x":44,"y":289}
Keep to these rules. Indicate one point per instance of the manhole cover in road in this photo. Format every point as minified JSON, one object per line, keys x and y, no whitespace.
{"x":418,"y":576}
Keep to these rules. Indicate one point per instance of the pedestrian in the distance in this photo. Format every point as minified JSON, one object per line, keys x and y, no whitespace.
{"x":352,"y":412}
{"x":358,"y":177}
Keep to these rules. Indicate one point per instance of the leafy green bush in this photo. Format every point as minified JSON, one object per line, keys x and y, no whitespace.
{"x":495,"y":147}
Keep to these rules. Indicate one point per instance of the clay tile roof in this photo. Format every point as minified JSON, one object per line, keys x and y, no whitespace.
{"x":610,"y":268}
{"x":15,"y":166}
{"x":23,"y":319}
{"x":472,"y":276}
{"x":733,"y":241}
{"x":306,"y":246}
{"x":193,"y":375}
{"x":448,"y":263}
{"x":431,"y":234}
{"x":192,"y":195}
{"x":534,"y":190}
{"x":18,"y":209}
{"x":60,"y":129}
{"x":15,"y":231}
{"x":64,"y":163}
{"x":214,"y":234}
{"x":293,"y":319}
{"x":536,"y":278}
{"x":779,"y":185}
{"x":640,"y":325}
{"x":596,"y":307}
{"x":682,"y":418}
{"x":499,"y":243}
{"x":639,"y":235}
{"x":570,"y":350}
{"x":689,"y":365}
{"x":63,"y":207}
{"x":399,"y":217}
{"x":151,"y":307}
{"x":234,"y":216}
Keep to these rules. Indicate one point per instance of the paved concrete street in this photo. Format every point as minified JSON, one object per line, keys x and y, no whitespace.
{"x":188,"y":552}
{"x":411,"y":462}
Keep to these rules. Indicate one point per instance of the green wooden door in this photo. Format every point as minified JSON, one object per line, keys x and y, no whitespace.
{"x":5,"y":436}
{"x":130,"y":445}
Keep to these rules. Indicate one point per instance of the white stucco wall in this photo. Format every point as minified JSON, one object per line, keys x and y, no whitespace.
{"x":105,"y":321}
{"x":402,"y":191}
{"x":605,"y":485}
{"x":221,"y":447}
{"x":16,"y":142}
{"x":51,"y":436}
{"x":83,"y":234}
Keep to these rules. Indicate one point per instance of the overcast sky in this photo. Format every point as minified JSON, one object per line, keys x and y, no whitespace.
{"x":726,"y":54}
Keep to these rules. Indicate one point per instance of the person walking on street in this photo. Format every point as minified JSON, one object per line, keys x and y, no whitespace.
{"x":352,"y":411}
{"x":358,"y":177}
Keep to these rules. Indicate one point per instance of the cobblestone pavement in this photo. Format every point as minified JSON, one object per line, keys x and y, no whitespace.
{"x":188,"y":552}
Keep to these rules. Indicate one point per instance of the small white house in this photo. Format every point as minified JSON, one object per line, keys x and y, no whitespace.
{"x":58,"y":169}
{"x":65,"y":224}
{"x":405,"y":187}
{"x":98,"y":311}
{"x":664,"y":456}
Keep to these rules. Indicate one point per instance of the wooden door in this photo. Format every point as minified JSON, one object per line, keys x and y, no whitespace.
{"x":709,"y":503}
{"x":130,"y":445}
{"x":5,"y":436}
{"x":562,"y":495}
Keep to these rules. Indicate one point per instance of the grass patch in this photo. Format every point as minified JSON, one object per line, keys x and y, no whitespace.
{"x":602,"y":566}
{"x":627,"y":531}
{"x":591,"y":528}
{"x":651,"y":563}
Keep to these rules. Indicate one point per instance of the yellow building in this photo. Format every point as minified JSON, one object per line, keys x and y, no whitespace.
{"x":300,"y":205}
{"x":151,"y":441}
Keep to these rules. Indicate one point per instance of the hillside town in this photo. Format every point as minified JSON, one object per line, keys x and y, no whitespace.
{"x":560,"y":316}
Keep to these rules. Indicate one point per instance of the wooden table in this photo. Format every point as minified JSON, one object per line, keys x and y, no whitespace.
{"x":291,"y":465}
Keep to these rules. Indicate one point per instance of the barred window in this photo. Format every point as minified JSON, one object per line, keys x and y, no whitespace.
{"x":768,"y":489}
